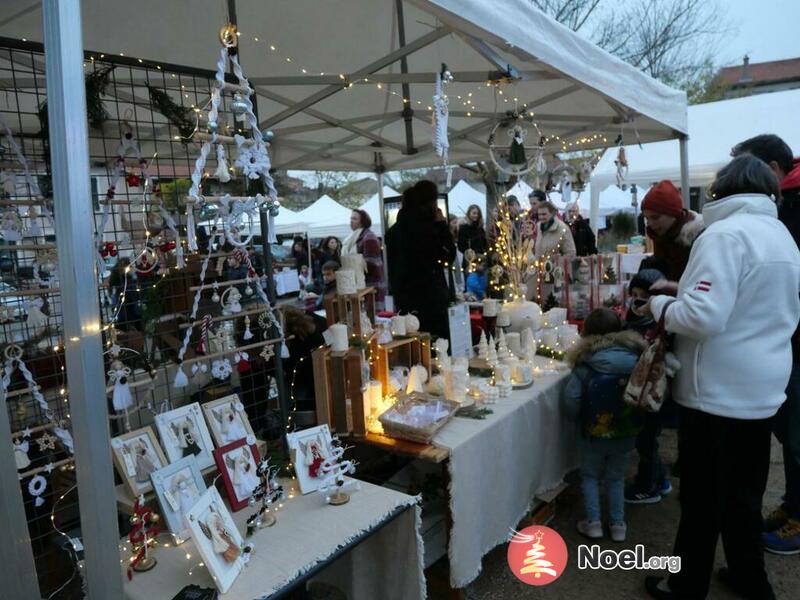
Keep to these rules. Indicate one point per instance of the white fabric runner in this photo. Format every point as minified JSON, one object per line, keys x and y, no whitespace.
{"x":499,"y":464}
{"x":309,"y":531}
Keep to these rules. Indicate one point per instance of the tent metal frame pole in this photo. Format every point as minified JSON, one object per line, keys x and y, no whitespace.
{"x":69,"y":150}
{"x":408,"y":112}
{"x":684,"y":150}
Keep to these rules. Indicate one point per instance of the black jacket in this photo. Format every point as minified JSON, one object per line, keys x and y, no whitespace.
{"x":789,"y":214}
{"x":472,"y":236}
{"x":583,"y":236}
{"x":417,"y":251}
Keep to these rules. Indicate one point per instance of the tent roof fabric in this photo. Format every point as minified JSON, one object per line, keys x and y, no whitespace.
{"x":322,"y":122}
{"x":714,"y":128}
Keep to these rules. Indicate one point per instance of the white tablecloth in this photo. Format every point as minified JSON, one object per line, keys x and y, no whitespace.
{"x":287,"y":282}
{"x":388,"y":564}
{"x":499,"y":464}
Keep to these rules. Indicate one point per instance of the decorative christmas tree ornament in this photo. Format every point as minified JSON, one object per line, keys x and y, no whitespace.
{"x":440,"y":114}
{"x":11,"y":228}
{"x":200,"y":376}
{"x":268,"y":492}
{"x":268,"y":136}
{"x":36,"y":320}
{"x":46,"y":442}
{"x":212,"y":127}
{"x":239,"y":106}
{"x":215,"y":296}
{"x":491,"y":356}
{"x":21,"y":454}
{"x":483,"y":346}
{"x":221,"y":368}
{"x":517,"y":158}
{"x":230,"y":301}
{"x":119,"y":376}
{"x":222,"y":173}
{"x":147,"y":261}
{"x":142,"y":537}
{"x":36,"y":487}
{"x":242,"y":360}
{"x":621,"y":163}
{"x":332,"y":470}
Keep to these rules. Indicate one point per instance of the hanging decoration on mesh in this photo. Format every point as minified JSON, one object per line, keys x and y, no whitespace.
{"x":253,"y":155}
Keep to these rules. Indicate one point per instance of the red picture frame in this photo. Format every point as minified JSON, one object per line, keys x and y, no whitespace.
{"x":247,"y":477}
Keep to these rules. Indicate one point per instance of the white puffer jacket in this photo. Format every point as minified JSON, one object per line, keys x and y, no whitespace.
{"x":738,"y":304}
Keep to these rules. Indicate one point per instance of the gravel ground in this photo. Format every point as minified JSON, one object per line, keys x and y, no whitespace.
{"x":651,"y":525}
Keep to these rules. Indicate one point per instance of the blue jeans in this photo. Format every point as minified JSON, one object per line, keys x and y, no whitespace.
{"x":605,"y":460}
{"x":786,"y":427}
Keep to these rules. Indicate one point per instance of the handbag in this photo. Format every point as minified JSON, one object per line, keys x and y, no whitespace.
{"x":648,"y":385}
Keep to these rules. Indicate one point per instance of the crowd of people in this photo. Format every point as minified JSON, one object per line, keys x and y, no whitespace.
{"x":724,"y":288}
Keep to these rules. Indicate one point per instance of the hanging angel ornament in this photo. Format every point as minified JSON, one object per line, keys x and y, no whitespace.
{"x":516,"y":151}
{"x":621,"y":164}
{"x":21,"y":454}
{"x":440,"y":114}
{"x":518,"y":157}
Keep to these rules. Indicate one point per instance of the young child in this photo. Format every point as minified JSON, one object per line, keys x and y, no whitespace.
{"x":304,"y":278}
{"x":639,"y":291}
{"x":477,"y":281}
{"x":602,"y":363}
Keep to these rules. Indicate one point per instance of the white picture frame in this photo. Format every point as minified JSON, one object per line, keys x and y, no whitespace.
{"x":227,"y":420}
{"x":308,"y":449}
{"x":183,"y":432}
{"x":178,"y":486}
{"x":136,"y":470}
{"x":214,"y":533}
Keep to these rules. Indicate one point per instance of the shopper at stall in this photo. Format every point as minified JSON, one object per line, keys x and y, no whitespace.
{"x":304,"y":333}
{"x":299,"y":253}
{"x":363,"y":241}
{"x":477,"y":281}
{"x":782,"y":525}
{"x":329,"y":250}
{"x":602,"y":362}
{"x":672,"y":228}
{"x":733,"y":342}
{"x":326,"y":287}
{"x":472,"y":233}
{"x":530,"y":224}
{"x":554,"y":237}
{"x":582,"y":234}
{"x":418,"y":245}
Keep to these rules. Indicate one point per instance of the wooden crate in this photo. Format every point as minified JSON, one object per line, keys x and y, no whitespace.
{"x":337,"y":378}
{"x":346,"y":308}
{"x":405,"y":351}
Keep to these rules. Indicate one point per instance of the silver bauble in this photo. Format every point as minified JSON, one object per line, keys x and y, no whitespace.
{"x":212,"y":127}
{"x":238,"y":105}
{"x":268,"y":136}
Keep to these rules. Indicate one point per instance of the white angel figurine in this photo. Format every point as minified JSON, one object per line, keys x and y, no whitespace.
{"x":21,"y":454}
{"x":243,"y":473}
{"x":182,"y":496}
{"x":231,"y":427}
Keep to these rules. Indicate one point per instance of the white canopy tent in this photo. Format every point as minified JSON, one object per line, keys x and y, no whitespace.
{"x":326,"y":217}
{"x":346,"y":87}
{"x":373,"y":208}
{"x":714,"y":129}
{"x":521,"y":190}
{"x":461,"y":196}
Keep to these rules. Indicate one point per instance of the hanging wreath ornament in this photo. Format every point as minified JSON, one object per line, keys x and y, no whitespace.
{"x":517,"y":157}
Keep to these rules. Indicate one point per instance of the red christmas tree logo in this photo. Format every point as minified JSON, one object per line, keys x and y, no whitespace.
{"x":537,"y":555}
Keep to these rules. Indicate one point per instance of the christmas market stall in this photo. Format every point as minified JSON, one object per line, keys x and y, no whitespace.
{"x":152,"y":421}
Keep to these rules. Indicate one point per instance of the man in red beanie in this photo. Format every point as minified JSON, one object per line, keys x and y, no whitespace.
{"x":672,"y":228}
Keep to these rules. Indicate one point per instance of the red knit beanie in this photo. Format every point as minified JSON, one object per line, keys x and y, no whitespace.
{"x":664,"y":199}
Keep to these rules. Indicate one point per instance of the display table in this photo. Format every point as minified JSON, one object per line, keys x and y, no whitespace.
{"x":497,"y":466}
{"x":367,"y":547}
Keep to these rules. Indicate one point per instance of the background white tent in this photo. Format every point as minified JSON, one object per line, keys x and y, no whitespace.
{"x":521,"y":190}
{"x":326,"y":217}
{"x":461,"y":196}
{"x":373,"y":208}
{"x":714,"y":128}
{"x":288,"y":221}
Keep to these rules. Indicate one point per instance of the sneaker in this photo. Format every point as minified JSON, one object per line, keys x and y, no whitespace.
{"x":637,"y":496}
{"x":785,"y":540}
{"x":618,"y":531}
{"x":591,"y":529}
{"x":665,"y":487}
{"x":776,"y":519}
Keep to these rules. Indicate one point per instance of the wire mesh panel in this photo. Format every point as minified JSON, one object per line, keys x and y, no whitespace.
{"x":144,"y":119}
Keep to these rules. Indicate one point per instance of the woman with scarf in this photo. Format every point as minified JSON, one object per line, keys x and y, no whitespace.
{"x":672,"y":228}
{"x":554,"y":237}
{"x":364,"y":242}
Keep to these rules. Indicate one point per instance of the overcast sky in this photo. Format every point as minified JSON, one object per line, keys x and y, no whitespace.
{"x":767,"y":30}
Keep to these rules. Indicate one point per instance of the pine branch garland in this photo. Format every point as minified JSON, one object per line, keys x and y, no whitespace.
{"x":178,"y":115}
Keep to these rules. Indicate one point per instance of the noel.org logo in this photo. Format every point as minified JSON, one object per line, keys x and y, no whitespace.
{"x":537,"y":555}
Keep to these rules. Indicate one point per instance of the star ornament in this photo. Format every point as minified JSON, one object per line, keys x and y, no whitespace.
{"x":46,"y":442}
{"x":48,"y":468}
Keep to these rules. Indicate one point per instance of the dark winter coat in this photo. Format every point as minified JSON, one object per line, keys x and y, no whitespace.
{"x":472,"y":236}
{"x":583,"y":236}
{"x":789,"y":215}
{"x":675,"y":245}
{"x":417,"y":251}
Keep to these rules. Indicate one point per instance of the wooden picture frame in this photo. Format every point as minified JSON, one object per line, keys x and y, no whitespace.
{"x":308,"y":449}
{"x":183,"y":432}
{"x":136,"y":455}
{"x":237,"y":463}
{"x":178,"y":486}
{"x":227,"y":420}
{"x":217,"y":539}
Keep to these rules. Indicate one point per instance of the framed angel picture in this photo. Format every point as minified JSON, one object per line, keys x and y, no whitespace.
{"x":183,"y":432}
{"x":137,"y":455}
{"x":227,"y":420}
{"x":309,"y":449}
{"x":238,"y":464}
{"x":178,"y":487}
{"x":216,"y":538}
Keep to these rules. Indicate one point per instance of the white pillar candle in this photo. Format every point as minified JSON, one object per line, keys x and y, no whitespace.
{"x":503,"y":319}
{"x":346,"y":281}
{"x":399,"y":325}
{"x":489,"y":307}
{"x":357,"y":264}
{"x":339,"y":341}
{"x":375,"y":394}
{"x":550,"y":338}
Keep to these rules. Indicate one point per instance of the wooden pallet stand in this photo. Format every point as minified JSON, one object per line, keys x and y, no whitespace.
{"x":346,"y":308}
{"x":406,"y":351}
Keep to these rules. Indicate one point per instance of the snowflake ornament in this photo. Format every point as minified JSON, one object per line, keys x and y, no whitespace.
{"x":253,"y":158}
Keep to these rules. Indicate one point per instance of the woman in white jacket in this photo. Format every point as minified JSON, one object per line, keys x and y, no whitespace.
{"x":738,"y":304}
